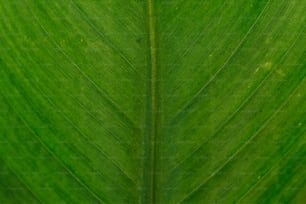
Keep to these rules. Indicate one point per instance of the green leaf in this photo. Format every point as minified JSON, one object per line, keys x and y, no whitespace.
{"x":151,"y":101}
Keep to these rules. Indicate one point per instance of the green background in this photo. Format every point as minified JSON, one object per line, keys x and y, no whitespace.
{"x":203,"y":101}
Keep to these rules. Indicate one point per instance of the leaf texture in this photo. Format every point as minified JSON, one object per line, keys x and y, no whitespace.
{"x":111,"y":101}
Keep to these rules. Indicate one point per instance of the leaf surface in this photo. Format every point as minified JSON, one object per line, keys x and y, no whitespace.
{"x":152,"y":101}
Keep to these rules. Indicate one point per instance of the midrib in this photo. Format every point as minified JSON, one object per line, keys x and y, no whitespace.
{"x":151,"y":128}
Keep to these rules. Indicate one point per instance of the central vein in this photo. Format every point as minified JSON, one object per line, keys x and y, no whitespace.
{"x":150,"y":143}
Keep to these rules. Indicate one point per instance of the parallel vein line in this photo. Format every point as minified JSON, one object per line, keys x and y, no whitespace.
{"x":242,"y":147}
{"x":107,"y":98}
{"x":275,"y":165}
{"x":245,"y":101}
{"x":91,"y":143}
{"x":203,"y":88}
{"x":75,"y":177}
{"x":198,"y":37}
{"x":110,"y":44}
{"x":22,"y":182}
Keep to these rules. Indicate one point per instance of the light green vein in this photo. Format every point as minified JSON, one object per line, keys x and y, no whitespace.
{"x":151,"y":132}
